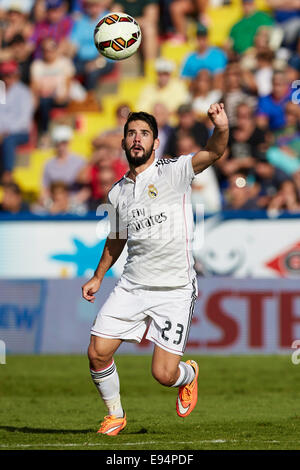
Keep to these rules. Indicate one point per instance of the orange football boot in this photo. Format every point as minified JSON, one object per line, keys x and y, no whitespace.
{"x":112,"y":425}
{"x":188,"y":394}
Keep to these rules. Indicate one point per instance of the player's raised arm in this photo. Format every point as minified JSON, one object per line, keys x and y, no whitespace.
{"x":112,"y":250}
{"x":217,"y":144}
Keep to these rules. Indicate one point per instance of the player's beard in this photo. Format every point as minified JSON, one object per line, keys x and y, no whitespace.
{"x":138,"y":161}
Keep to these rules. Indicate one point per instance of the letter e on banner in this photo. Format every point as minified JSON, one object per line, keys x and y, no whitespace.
{"x":296,"y":354}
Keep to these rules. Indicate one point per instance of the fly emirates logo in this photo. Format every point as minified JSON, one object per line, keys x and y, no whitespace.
{"x":142,"y":221}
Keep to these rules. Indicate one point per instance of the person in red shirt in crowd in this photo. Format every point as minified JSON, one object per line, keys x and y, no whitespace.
{"x":56,"y":25}
{"x":101,"y":173}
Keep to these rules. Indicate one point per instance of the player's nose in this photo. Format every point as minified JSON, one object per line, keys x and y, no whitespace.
{"x":137,"y":138}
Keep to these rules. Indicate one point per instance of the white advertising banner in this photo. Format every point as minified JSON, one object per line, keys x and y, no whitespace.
{"x":239,"y":247}
{"x":232,"y":316}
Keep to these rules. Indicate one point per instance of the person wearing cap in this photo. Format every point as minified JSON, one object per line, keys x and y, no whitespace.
{"x":24,"y":5}
{"x":168,"y":89}
{"x":56,"y":25}
{"x":64,"y":166}
{"x":17,"y":23}
{"x":205,"y":57}
{"x":88,"y":62}
{"x":242,"y":33}
{"x":16,"y":27}
{"x":15,"y":116}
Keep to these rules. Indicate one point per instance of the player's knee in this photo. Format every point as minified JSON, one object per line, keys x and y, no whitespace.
{"x":164,"y":376}
{"x":98,"y":356}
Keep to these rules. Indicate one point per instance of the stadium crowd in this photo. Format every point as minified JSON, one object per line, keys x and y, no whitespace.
{"x":48,"y":61}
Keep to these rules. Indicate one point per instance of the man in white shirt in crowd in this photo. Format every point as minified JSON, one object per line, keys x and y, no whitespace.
{"x":16,"y":113}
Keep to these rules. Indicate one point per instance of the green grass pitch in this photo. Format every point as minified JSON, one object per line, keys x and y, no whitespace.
{"x":245,"y":402}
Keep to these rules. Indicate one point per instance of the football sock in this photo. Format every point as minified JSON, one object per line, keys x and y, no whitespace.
{"x":187,"y":374}
{"x":108,"y":385}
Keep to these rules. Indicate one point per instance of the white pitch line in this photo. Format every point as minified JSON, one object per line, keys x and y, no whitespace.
{"x":115,"y":444}
{"x":122,"y":444}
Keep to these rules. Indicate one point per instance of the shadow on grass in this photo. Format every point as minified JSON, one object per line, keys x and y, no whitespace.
{"x":28,"y":430}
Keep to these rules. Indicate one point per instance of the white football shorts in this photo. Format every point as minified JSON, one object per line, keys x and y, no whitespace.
{"x":132,"y":308}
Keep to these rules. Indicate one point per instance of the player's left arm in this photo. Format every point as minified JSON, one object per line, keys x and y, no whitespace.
{"x":217,"y":143}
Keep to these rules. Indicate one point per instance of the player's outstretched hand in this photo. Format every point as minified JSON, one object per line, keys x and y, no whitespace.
{"x":90,"y":288}
{"x":217,"y":115}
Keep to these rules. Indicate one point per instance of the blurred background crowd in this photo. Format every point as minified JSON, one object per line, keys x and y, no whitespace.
{"x":63,"y":106}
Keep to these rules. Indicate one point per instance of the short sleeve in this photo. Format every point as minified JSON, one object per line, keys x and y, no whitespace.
{"x":117,"y":225}
{"x":179,"y":171}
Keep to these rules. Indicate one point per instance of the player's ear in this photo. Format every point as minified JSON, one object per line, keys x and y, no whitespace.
{"x":156,"y":144}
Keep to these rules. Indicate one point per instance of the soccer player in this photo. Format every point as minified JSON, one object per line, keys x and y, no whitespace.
{"x":158,"y":287}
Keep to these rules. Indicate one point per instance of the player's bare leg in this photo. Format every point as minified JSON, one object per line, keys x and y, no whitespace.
{"x":169,"y":370}
{"x":105,"y":377}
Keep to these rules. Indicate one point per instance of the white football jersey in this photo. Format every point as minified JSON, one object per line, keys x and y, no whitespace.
{"x":156,"y":213}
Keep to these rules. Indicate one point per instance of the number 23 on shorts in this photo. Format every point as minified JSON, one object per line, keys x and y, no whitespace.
{"x":179,"y":332}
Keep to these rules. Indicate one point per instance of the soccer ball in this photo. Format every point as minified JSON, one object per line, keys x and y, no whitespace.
{"x":117,"y":36}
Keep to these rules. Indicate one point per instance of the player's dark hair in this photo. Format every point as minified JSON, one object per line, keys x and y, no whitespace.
{"x":142,"y":116}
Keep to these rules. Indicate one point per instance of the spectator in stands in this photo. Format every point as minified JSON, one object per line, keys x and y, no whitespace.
{"x":247,"y":143}
{"x":90,"y":65}
{"x":205,"y":57}
{"x":270,"y":180}
{"x":203,"y":95}
{"x":64,"y":166}
{"x":287,"y":16}
{"x":12,"y":200}
{"x":168,"y":89}
{"x":242,"y":34}
{"x":25,"y":5}
{"x":50,"y":81}
{"x":180,"y":9}
{"x":271,"y":108}
{"x":62,"y":201}
{"x":56,"y":25}
{"x":187,"y":122}
{"x":101,"y":173}
{"x":284,"y":152}
{"x":240,"y":195}
{"x":15,"y":117}
{"x":258,"y":77}
{"x":287,"y":199}
{"x":20,"y":53}
{"x":235,"y":92}
{"x":205,"y":188}
{"x":162,"y":116}
{"x":293,"y":69}
{"x":146,"y":13}
{"x":16,"y":25}
{"x":39,"y":11}
{"x":113,"y":137}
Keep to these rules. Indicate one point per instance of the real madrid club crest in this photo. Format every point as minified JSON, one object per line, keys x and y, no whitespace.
{"x":152,"y":191}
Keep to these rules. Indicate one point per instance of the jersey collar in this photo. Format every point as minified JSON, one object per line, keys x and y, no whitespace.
{"x":141,"y":175}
